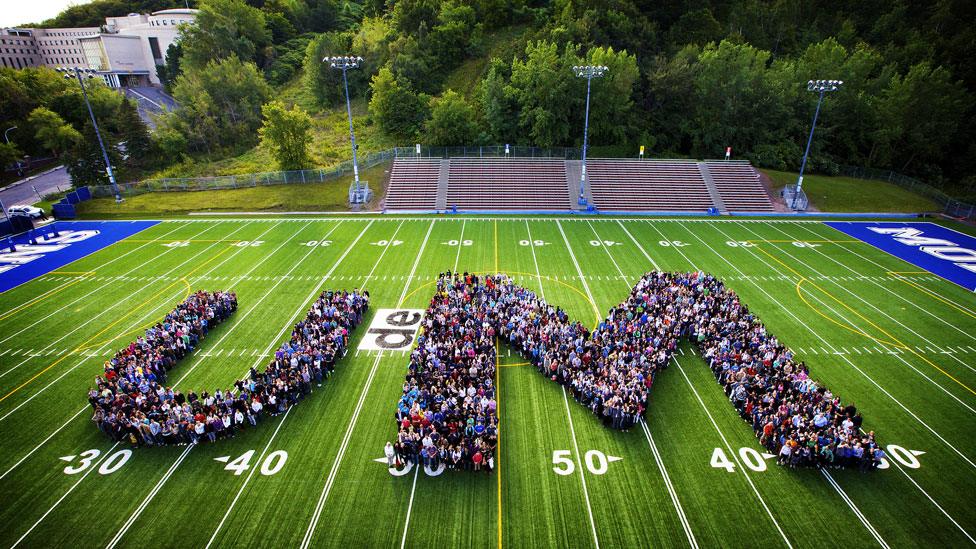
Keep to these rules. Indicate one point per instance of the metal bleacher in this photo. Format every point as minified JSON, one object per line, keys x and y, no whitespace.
{"x":739,"y":186}
{"x":647,"y":185}
{"x":541,"y":184}
{"x":507,"y":183}
{"x":413,"y":184}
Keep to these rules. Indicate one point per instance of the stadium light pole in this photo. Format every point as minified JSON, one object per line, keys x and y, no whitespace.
{"x":344,"y":63}
{"x":821,"y":87}
{"x":589,"y":72}
{"x":89,"y":74}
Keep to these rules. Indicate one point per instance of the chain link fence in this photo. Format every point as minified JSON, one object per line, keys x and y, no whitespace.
{"x":490,"y":151}
{"x":950,"y":206}
{"x":243,"y":180}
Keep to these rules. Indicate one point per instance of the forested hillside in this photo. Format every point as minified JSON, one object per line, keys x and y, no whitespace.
{"x":686,"y":78}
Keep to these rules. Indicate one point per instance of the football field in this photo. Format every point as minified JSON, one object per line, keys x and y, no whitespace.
{"x":895,"y":340}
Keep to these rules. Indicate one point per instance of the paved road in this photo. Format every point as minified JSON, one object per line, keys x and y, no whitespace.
{"x":150,"y":102}
{"x":46,"y":184}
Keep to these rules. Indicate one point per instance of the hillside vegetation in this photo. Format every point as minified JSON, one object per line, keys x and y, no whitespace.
{"x":683,"y":80}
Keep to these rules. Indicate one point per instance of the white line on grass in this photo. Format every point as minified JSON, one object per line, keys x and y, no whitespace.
{"x":65,"y":424}
{"x":849,"y":362}
{"x":721,"y":434}
{"x":330,"y":480}
{"x":152,"y":494}
{"x":850,"y":503}
{"x":940,"y":318}
{"x":75,"y":485}
{"x":86,"y":296}
{"x":302,"y":307}
{"x":569,"y":416}
{"x":50,"y":347}
{"x":135,"y":515}
{"x":826,"y":351}
{"x":883,"y":313}
{"x":131,"y":327}
{"x":406,"y":524}
{"x":650,"y":440}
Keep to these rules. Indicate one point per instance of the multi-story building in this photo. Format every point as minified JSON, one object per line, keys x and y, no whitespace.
{"x":125,"y":51}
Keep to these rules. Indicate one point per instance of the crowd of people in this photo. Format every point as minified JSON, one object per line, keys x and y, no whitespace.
{"x":133,"y":402}
{"x":446,"y":414}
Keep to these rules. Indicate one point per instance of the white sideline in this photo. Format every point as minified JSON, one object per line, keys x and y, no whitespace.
{"x":330,"y":480}
{"x":102,"y":266}
{"x":672,"y":492}
{"x":135,"y":515}
{"x":277,"y":338}
{"x":728,"y":446}
{"x":569,"y":415}
{"x":871,"y":305}
{"x":849,"y":362}
{"x":130,"y":327}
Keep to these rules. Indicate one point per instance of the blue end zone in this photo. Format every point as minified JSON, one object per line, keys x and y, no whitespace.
{"x":77,"y":239}
{"x":938,"y":250}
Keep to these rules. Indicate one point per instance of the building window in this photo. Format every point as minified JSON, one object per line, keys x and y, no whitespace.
{"x":154,"y":47}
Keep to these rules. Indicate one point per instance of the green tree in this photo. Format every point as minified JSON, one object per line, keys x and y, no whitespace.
{"x":287,"y":133}
{"x":139,"y":148}
{"x":737,"y":104}
{"x":541,"y":86}
{"x":225,"y":28}
{"x":695,"y":27}
{"x":84,"y":161}
{"x":499,"y":106}
{"x":611,"y":102}
{"x":395,"y":107}
{"x":9,"y":153}
{"x":220,"y":105}
{"x":52,"y":131}
{"x":452,"y":121}
{"x":169,"y":71}
{"x":921,"y":111}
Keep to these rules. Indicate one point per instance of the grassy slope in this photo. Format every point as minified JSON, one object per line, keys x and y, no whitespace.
{"x":330,"y":196}
{"x":846,"y":194}
{"x":689,"y":416}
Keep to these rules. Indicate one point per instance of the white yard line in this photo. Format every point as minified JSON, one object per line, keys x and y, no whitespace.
{"x":850,"y":503}
{"x":850,"y":363}
{"x":846,"y":359}
{"x":460,"y":245}
{"x":85,"y":297}
{"x":277,"y":338}
{"x":922,"y":309}
{"x":406,"y":524}
{"x":60,"y":311}
{"x":853,"y":324}
{"x":139,"y":320}
{"x":166,"y":477}
{"x":650,"y":440}
{"x":836,"y":486}
{"x":569,"y":415}
{"x":330,"y":480}
{"x":871,"y":305}
{"x":66,"y":494}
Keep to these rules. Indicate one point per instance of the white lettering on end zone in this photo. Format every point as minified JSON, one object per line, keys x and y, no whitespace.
{"x":392,"y":330}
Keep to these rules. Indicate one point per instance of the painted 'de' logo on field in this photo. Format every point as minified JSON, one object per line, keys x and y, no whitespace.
{"x":392,"y":330}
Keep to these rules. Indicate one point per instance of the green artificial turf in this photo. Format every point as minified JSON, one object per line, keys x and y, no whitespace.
{"x":847,"y":194}
{"x":904,"y":353}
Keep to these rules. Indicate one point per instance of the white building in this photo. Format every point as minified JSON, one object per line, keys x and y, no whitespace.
{"x":125,"y":51}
